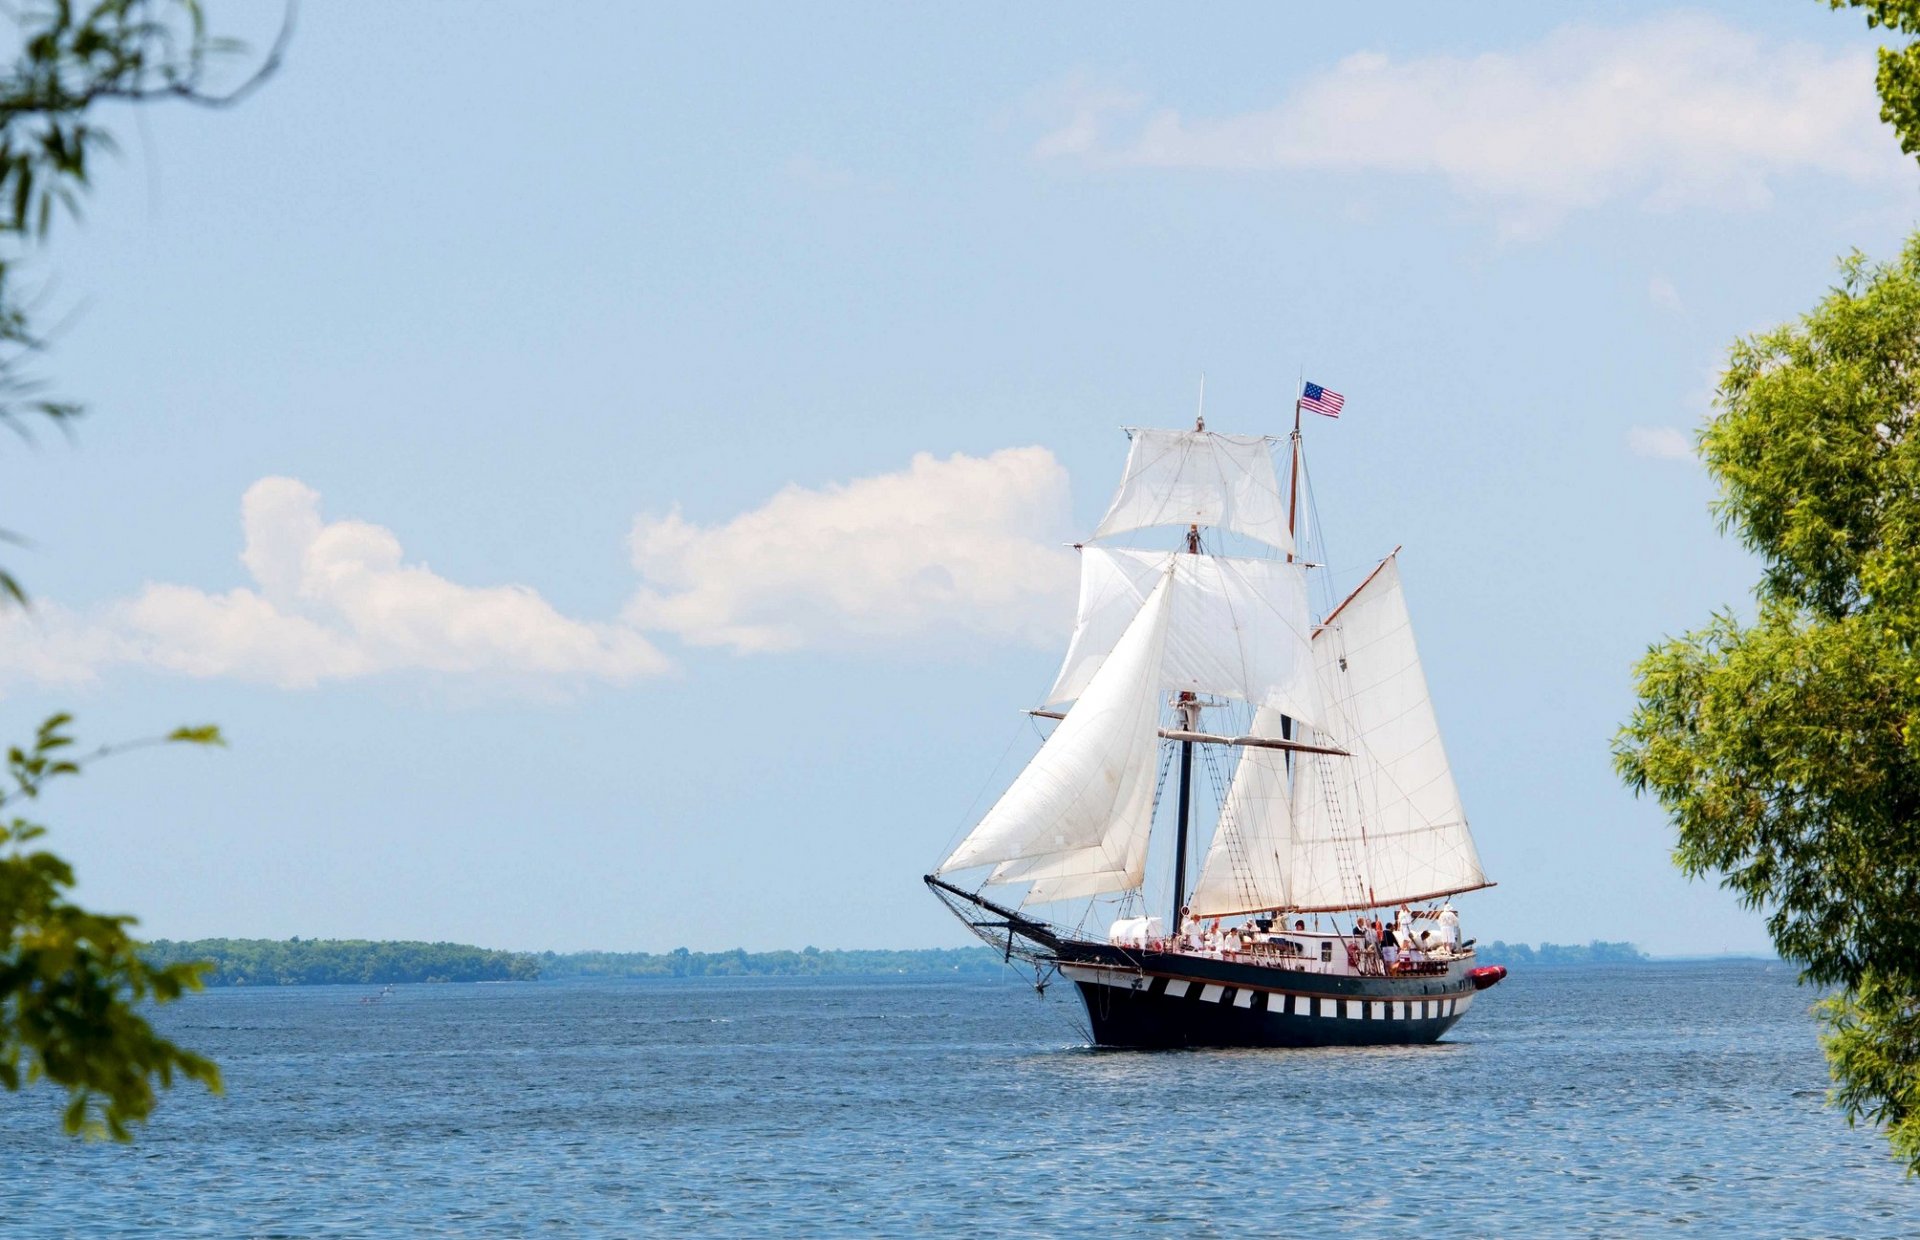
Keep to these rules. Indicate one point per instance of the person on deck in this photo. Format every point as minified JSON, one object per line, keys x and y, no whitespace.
{"x":1449,"y":924}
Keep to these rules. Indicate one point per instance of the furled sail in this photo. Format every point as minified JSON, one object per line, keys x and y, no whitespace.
{"x":1200,"y":478}
{"x":1381,"y":827}
{"x":1081,"y":810}
{"x":1238,"y":627}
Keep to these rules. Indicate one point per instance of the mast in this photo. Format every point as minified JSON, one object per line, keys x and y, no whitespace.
{"x":1293,"y":496}
{"x":1293,"y":474}
{"x":1189,"y":707}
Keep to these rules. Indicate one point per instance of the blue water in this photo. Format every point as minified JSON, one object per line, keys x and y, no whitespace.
{"x":1602,"y":1102}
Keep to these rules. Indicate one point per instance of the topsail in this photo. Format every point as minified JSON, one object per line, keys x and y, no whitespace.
{"x":1185,"y":478}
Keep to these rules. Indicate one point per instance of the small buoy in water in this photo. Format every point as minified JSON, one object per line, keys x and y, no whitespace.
{"x":1486,"y":976}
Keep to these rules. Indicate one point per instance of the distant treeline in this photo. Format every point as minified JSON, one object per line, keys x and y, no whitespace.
{"x":315,"y":962}
{"x":811,"y":962}
{"x":318,"y":962}
{"x":1595,"y":952}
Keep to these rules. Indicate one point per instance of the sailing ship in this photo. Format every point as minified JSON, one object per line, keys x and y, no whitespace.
{"x":1311,"y":918}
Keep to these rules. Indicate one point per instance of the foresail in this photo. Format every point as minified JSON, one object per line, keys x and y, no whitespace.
{"x":1087,"y":796}
{"x":1238,"y":627}
{"x":1385,"y":825}
{"x":1119,"y":865}
{"x":1200,"y":478}
{"x":1248,"y":864}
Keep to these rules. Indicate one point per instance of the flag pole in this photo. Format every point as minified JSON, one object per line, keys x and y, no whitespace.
{"x":1293,"y":469}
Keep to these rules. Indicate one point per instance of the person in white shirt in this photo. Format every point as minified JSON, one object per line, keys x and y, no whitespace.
{"x":1449,"y":924}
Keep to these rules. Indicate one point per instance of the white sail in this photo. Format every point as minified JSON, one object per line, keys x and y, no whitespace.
{"x":1200,"y":478}
{"x":1251,"y":856}
{"x":1381,"y":827}
{"x":1238,"y":628}
{"x":1118,"y":865}
{"x":1090,"y":788}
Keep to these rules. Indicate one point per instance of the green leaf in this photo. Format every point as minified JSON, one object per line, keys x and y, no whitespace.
{"x":202,"y":734}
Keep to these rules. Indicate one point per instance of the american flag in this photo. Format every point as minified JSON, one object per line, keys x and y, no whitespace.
{"x":1320,"y":400}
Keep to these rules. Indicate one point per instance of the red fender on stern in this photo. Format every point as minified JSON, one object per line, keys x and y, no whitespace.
{"x":1486,"y":976}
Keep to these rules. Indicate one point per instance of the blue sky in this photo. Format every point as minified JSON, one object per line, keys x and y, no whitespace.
{"x":656,"y":430}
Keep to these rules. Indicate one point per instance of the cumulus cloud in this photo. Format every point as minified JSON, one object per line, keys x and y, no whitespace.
{"x":1660,"y":443}
{"x":329,"y":601}
{"x":943,"y":548}
{"x":1678,"y":109}
{"x":962,"y":547}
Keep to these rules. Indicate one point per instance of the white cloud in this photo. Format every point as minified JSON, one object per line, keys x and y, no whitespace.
{"x":1678,"y":109}
{"x":328,"y":602}
{"x":1660,"y":443}
{"x":944,"y":548}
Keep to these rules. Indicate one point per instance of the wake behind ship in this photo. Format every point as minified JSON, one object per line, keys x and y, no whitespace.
{"x":1312,"y":919}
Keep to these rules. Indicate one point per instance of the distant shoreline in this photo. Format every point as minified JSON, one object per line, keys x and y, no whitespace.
{"x":311,"y":962}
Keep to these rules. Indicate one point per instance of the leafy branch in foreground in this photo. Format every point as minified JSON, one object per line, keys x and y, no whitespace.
{"x":72,"y":981}
{"x":73,"y":57}
{"x":1898,"y":76}
{"x":1787,"y":750}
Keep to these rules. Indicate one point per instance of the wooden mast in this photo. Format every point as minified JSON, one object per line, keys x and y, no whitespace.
{"x":1189,"y":707}
{"x":1293,"y":500}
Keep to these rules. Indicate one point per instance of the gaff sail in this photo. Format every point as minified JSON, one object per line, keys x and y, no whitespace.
{"x":1382,"y":826}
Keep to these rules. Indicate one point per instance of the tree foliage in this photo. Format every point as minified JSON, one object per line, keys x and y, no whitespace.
{"x":1787,"y":749}
{"x":1898,"y":77}
{"x":72,"y":981}
{"x":328,"y":962}
{"x":72,"y":58}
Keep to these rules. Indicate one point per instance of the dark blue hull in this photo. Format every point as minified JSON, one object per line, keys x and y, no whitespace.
{"x":1150,"y":999}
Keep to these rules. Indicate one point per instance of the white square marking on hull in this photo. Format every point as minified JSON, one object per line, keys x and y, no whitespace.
{"x":1211,"y":993}
{"x":1353,"y":1009}
{"x":1176,"y":989}
{"x":1243,"y":999}
{"x":1329,"y":1008}
{"x":1446,"y":1007}
{"x":1379,"y":1010}
{"x":1399,"y":1010}
{"x":1302,"y":1006}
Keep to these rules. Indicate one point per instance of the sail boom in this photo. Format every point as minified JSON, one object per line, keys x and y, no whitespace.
{"x":1377,"y":903}
{"x":1214,"y":738}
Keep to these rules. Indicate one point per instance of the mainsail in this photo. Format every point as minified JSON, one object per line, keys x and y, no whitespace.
{"x":1076,"y":820}
{"x":1380,"y":827}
